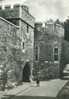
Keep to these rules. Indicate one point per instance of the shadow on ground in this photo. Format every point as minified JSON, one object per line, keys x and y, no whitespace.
{"x":64,"y":93}
{"x":27,"y":97}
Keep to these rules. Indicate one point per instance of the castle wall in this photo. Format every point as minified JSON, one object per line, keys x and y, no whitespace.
{"x":20,"y":16}
{"x":46,"y":66}
{"x":64,"y":55}
{"x":28,"y":41}
{"x":16,"y":13}
{"x":27,"y":17}
{"x":10,"y":13}
{"x":8,"y":42}
{"x":8,"y":30}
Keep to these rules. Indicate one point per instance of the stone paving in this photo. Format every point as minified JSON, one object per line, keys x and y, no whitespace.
{"x":47,"y":89}
{"x":14,"y":91}
{"x":2,"y":94}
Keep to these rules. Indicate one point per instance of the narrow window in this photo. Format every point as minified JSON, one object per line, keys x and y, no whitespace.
{"x":27,"y":28}
{"x":23,"y":45}
{"x":0,"y":7}
{"x":36,"y":54}
{"x":55,"y":54}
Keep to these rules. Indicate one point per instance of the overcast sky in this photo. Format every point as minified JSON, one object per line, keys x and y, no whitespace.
{"x":45,"y":9}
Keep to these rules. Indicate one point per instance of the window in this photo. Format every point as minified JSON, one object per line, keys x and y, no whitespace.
{"x":23,"y":45}
{"x":27,"y":28}
{"x":36,"y":57}
{"x":36,"y":54}
{"x":55,"y":54}
{"x":7,"y":7}
{"x":0,"y":8}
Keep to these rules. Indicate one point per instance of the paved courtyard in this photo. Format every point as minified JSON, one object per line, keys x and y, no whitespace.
{"x":46,"y":90}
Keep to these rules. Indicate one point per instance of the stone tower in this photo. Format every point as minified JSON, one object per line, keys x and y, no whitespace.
{"x":20,"y":16}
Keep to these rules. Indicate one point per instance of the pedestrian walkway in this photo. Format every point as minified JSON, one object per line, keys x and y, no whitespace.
{"x":46,"y":89}
{"x":2,"y":94}
{"x":14,"y":91}
{"x":18,"y":89}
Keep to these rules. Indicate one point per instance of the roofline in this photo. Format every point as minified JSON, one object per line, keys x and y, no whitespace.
{"x":9,"y":22}
{"x":26,"y":22}
{"x":21,"y":20}
{"x":20,"y":5}
{"x":54,"y":24}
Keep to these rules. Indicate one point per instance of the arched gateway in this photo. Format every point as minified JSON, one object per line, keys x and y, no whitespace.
{"x":26,"y":72}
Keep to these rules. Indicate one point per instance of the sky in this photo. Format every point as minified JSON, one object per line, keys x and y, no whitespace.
{"x":43,"y":10}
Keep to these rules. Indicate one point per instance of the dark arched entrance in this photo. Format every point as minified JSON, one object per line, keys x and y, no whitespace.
{"x":26,"y":72}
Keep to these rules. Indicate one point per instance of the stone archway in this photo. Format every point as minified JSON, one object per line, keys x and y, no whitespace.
{"x":26,"y":72}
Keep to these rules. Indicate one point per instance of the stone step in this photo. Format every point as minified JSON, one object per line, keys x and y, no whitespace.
{"x":65,"y":77}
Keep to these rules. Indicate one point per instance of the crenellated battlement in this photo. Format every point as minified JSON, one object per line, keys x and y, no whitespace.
{"x":8,"y":7}
{"x":16,"y":12}
{"x":25,"y":8}
{"x":12,"y":7}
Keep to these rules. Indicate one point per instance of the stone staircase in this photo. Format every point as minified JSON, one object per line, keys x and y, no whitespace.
{"x":65,"y":76}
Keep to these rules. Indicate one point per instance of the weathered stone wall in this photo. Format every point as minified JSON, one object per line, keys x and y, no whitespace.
{"x":8,"y":31}
{"x":64,"y":55}
{"x":28,"y":40}
{"x":27,"y":17}
{"x":8,"y":41}
{"x":66,"y":29}
{"x":46,"y":59}
{"x":20,"y":16}
{"x":46,"y":42}
{"x":10,"y":14}
{"x":16,"y":13}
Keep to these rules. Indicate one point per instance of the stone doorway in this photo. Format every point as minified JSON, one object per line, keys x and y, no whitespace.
{"x":26,"y":72}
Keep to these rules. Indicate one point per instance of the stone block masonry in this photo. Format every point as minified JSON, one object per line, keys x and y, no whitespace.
{"x":16,"y":13}
{"x":21,"y":18}
{"x":48,"y":46}
{"x":8,"y":41}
